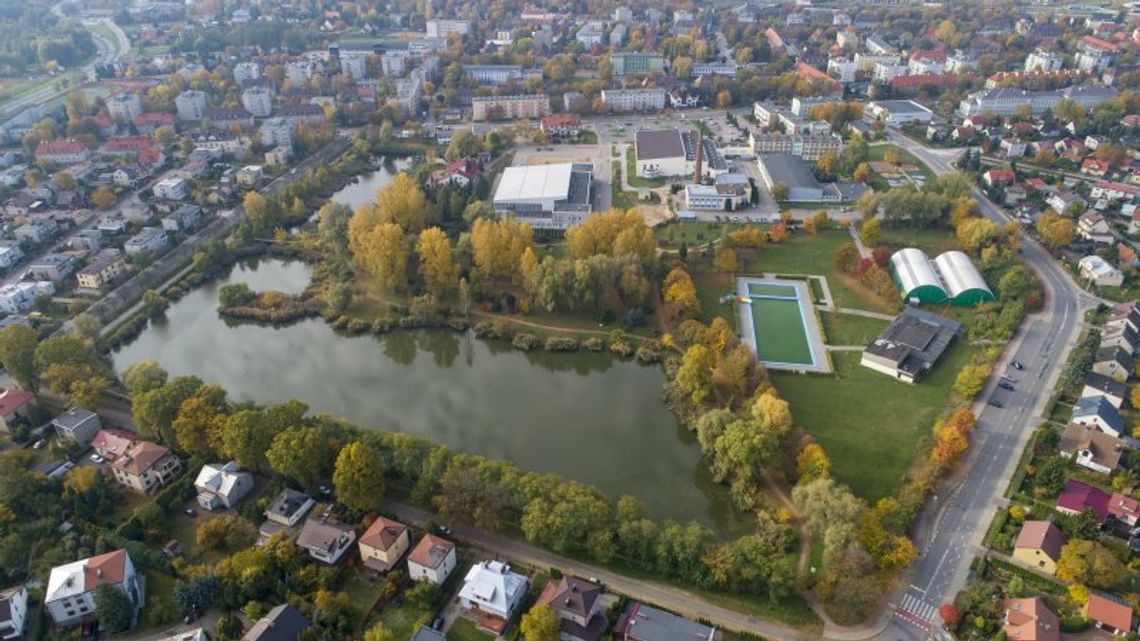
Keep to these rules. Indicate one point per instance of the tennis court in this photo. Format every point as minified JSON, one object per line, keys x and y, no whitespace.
{"x":778,"y":322}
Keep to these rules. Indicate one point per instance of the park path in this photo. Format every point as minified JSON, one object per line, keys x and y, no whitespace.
{"x":864,"y":251}
{"x":865,"y":313}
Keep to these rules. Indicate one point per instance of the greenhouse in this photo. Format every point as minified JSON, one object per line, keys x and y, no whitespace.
{"x":964,"y":284}
{"x":950,"y":278}
{"x":916,"y":278}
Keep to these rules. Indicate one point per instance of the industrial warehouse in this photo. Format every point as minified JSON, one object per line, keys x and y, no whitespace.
{"x":950,"y":278}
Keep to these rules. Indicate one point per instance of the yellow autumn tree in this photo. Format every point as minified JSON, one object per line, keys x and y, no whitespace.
{"x":498,"y":246}
{"x":438,"y":268}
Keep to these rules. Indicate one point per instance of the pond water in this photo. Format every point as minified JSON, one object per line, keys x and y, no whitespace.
{"x":364,"y":188}
{"x":586,"y":416}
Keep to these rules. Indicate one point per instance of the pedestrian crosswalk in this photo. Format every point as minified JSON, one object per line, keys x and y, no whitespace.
{"x":916,"y":611}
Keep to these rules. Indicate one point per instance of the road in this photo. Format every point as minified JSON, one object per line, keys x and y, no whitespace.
{"x":672,"y":598}
{"x":951,"y":529}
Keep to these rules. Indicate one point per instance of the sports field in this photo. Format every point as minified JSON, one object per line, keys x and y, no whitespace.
{"x":784,"y":331}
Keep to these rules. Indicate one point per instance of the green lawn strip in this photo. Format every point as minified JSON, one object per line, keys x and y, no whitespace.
{"x":877,"y":152}
{"x":849,"y":329}
{"x":931,"y":241}
{"x":870,"y":424}
{"x":691,"y":233}
{"x":780,"y":333}
{"x":160,"y":609}
{"x":464,"y":630}
{"x":620,"y":199}
{"x":403,"y":619}
{"x":635,"y":180}
{"x":711,"y":286}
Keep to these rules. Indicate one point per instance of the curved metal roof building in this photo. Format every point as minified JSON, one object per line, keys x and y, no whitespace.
{"x":963,"y":282}
{"x":916,"y":277}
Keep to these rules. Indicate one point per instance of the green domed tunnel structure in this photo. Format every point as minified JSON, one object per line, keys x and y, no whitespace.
{"x":915,"y":277}
{"x":950,"y":278}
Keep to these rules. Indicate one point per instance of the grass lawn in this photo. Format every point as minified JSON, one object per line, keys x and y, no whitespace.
{"x":876,"y":152}
{"x":711,"y":285}
{"x":160,"y":609}
{"x":635,"y":180}
{"x":403,"y":619}
{"x":872,"y":443}
{"x":848,"y":329}
{"x":931,"y":241}
{"x":805,"y":254}
{"x":465,"y":630}
{"x":620,"y":199}
{"x":691,"y":233}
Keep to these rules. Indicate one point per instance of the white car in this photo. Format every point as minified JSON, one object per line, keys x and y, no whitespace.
{"x":97,"y":460}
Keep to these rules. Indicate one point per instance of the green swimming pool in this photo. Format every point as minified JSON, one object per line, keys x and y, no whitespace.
{"x":779,"y":332}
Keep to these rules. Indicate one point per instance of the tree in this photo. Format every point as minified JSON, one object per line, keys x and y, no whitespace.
{"x":298,"y":453}
{"x":891,"y":156}
{"x":681,"y":294}
{"x":846,"y":257}
{"x":541,"y":623}
{"x":1090,"y":563}
{"x":464,"y":144}
{"x":114,"y":606}
{"x":359,"y":477}
{"x":17,"y":354}
{"x":725,"y":260}
{"x":975,"y":233}
{"x":201,"y":422}
{"x":780,"y":191}
{"x":338,"y":296}
{"x":950,"y":615}
{"x":402,"y":202}
{"x":862,"y":173}
{"x":1055,"y":231}
{"x":154,"y":411}
{"x":971,"y":379}
{"x":694,"y":377}
{"x":86,"y":327}
{"x":197,"y":594}
{"x":103,"y":197}
{"x":380,"y":252}
{"x":64,"y":180}
{"x":332,"y":226}
{"x":497,"y":247}
{"x":437,"y":265}
{"x":612,"y":233}
{"x":812,"y":463}
{"x":143,"y":377}
{"x":378,"y":633}
{"x":869,"y":232}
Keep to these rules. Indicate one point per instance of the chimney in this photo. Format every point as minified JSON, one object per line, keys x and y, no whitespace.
{"x":699,"y":158}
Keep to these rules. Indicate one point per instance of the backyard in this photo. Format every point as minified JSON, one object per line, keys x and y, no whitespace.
{"x":873,"y":442}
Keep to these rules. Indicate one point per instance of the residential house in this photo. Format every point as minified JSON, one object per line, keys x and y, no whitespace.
{"x":70,"y":594}
{"x":112,"y":442}
{"x":250,"y":175}
{"x":1110,"y":613}
{"x":492,"y":593}
{"x":1125,"y":508}
{"x":77,"y":425}
{"x":222,"y":486}
{"x":182,"y":218}
{"x":62,"y":152}
{"x":1039,"y":546}
{"x":1094,"y":167}
{"x":562,"y":125}
{"x":130,"y":176}
{"x":102,"y":271}
{"x":1100,"y":272}
{"x":15,"y":405}
{"x":17,"y":298}
{"x":51,"y":267}
{"x":1029,"y":620}
{"x":433,"y":559}
{"x":580,"y":615}
{"x":1099,"y":384}
{"x":1092,"y":226}
{"x":145,"y":467}
{"x":36,"y":231}
{"x":383,"y":544}
{"x":1092,"y":448}
{"x":1122,"y":336}
{"x":424,"y":633}
{"x":1076,"y":497}
{"x":10,"y":255}
{"x":996,"y":177}
{"x":1096,"y":411}
{"x":1063,"y":201}
{"x":459,"y":173}
{"x":1124,"y":314}
{"x":171,"y":189}
{"x":1114,"y":363}
{"x":149,"y":239}
{"x":13,"y":612}
{"x":641,"y":622}
{"x":326,"y":539}
{"x":1104,"y":189}
{"x":284,"y":513}
{"x":282,"y":623}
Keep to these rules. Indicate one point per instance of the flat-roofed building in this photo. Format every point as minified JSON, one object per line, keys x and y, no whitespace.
{"x":899,"y":112}
{"x":808,"y":147}
{"x":627,"y":100}
{"x":546,"y":196}
{"x":510,"y":107}
{"x":911,"y":345}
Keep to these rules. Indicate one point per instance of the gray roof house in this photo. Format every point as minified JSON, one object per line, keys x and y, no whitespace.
{"x":1098,"y":412}
{"x":1099,"y":384}
{"x":77,"y":425}
{"x":222,"y":486}
{"x":284,"y":513}
{"x":911,"y":344}
{"x":1122,"y":336}
{"x":641,"y":622}
{"x":1113,"y":362}
{"x":282,"y":623}
{"x":326,"y":539}
{"x":428,"y":634}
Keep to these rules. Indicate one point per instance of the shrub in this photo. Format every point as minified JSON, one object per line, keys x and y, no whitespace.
{"x":561,"y":344}
{"x":594,"y":344}
{"x":525,"y":342}
{"x":1074,"y":624}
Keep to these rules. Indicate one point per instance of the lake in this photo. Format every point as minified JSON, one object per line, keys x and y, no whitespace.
{"x":364,"y":188}
{"x":586,"y":416}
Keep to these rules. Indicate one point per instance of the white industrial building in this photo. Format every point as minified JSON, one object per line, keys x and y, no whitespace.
{"x":1005,"y":101}
{"x":672,"y":152}
{"x":546,"y":196}
{"x":899,"y":112}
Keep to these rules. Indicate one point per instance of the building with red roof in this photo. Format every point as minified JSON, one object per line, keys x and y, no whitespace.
{"x":112,"y":442}
{"x":14,"y":405}
{"x":1098,"y":44}
{"x":145,"y":467}
{"x":70,"y":594}
{"x":999,"y":177}
{"x":1078,"y":497}
{"x":811,"y":73}
{"x":63,"y":151}
{"x":1125,"y":508}
{"x":1094,"y":167}
{"x":564,"y":125}
{"x":1109,"y":612}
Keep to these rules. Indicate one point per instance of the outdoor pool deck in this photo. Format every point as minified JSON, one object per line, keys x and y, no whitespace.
{"x":780,"y":325}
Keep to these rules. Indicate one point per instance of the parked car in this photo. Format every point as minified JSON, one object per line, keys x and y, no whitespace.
{"x":1017,"y":365}
{"x":38,"y":445}
{"x":97,"y":460}
{"x":994,"y":403}
{"x":191,"y":512}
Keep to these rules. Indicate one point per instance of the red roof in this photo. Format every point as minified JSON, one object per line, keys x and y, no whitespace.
{"x":431,"y":551}
{"x":383,"y":533}
{"x":149,"y":156}
{"x":1092,"y":164}
{"x":811,"y":73}
{"x":129,"y":143}
{"x":154,"y":118}
{"x":929,"y":54}
{"x":1094,"y":42}
{"x":140,"y":457}
{"x":1124,"y":507}
{"x":1001,"y":175}
{"x":463,"y":167}
{"x":1078,"y":497}
{"x":105,"y":568}
{"x":68,"y":146}
{"x":560,"y":120}
{"x":1110,"y":611}
{"x":13,"y":399}
{"x":111,"y":442}
{"x":919,"y":79}
{"x":1114,"y":186}
{"x":1036,"y":183}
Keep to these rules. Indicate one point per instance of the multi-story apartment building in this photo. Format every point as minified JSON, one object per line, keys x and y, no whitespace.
{"x":510,"y":107}
{"x":807,"y":147}
{"x":626,"y":100}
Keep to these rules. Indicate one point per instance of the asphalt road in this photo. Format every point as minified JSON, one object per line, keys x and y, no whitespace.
{"x":956,"y":521}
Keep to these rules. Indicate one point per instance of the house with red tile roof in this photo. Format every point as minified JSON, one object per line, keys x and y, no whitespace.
{"x":1029,"y":620}
{"x":112,"y":442}
{"x":995,"y":177}
{"x":1094,"y":167}
{"x":383,"y":544}
{"x":145,"y":467}
{"x":459,"y":173}
{"x":1039,"y":546}
{"x":1077,"y":497}
{"x":1110,"y":613}
{"x":433,"y":559}
{"x":70,"y":594}
{"x":63,"y":151}
{"x":1125,"y":508}
{"x":14,"y":405}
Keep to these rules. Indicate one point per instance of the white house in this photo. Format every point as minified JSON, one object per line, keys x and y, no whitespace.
{"x":17,"y":298}
{"x":222,"y":485}
{"x":171,"y":189}
{"x":149,"y":239}
{"x":284,"y":513}
{"x":493,"y":592}
{"x":433,"y":559}
{"x":1099,"y":272}
{"x":1091,"y":448}
{"x":1092,"y":226}
{"x":13,"y":612}
{"x":70,"y":594}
